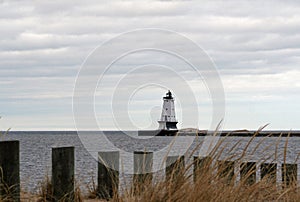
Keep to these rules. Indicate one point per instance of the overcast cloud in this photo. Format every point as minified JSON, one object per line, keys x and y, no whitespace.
{"x":254,"y":44}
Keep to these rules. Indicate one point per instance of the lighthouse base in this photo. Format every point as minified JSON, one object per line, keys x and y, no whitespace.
{"x":157,"y":132}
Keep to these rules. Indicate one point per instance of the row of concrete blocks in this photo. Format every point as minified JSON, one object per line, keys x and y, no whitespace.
{"x":63,"y":162}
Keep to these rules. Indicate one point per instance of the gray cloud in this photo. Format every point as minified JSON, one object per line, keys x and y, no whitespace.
{"x":254,"y":44}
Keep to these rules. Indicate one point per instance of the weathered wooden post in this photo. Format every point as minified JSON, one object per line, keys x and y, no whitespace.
{"x":63,"y":173}
{"x":174,"y":168}
{"x":142,"y":177}
{"x":201,"y":166}
{"x":248,"y":173}
{"x":226,"y":171}
{"x":289,"y":174}
{"x":10,"y":171}
{"x":268,"y":171}
{"x":108,"y":174}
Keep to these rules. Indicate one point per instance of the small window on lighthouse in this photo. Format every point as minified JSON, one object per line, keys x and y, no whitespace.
{"x":166,"y":108}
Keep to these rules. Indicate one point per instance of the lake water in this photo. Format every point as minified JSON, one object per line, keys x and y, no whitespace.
{"x":35,"y":155}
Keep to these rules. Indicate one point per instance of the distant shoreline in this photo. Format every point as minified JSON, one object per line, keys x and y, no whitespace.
{"x":244,"y":133}
{"x":191,"y":132}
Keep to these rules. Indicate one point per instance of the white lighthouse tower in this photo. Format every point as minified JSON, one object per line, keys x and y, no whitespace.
{"x":168,"y":120}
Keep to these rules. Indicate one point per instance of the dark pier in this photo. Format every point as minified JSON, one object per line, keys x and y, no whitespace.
{"x":243,"y":133}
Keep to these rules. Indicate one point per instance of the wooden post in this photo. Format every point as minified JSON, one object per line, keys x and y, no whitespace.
{"x":201,"y":166}
{"x":142,"y":177}
{"x":289,"y":174}
{"x":248,"y":173}
{"x":174,"y":168}
{"x":226,"y":171}
{"x":268,"y":171}
{"x":63,"y":173}
{"x":108,"y":174}
{"x":10,"y":171}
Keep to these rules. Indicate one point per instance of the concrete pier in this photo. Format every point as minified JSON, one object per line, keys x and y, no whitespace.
{"x":248,"y":173}
{"x":142,"y":177}
{"x":268,"y":172}
{"x":63,"y":173}
{"x":226,"y":171}
{"x":201,"y":166}
{"x":289,"y":174}
{"x":9,"y":171}
{"x":108,"y":174}
{"x":175,"y":168}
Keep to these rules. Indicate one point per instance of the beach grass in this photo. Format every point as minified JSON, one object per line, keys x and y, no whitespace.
{"x":215,"y":181}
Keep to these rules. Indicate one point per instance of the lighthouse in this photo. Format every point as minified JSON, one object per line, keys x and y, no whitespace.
{"x":168,"y":120}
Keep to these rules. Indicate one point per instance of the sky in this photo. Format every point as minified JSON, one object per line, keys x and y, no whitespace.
{"x":254,"y":46}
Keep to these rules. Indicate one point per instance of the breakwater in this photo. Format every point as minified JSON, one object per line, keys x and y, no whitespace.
{"x":243,"y":133}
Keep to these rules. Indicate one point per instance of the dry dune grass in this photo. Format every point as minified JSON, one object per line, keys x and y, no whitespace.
{"x":210,"y":180}
{"x":216,"y":180}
